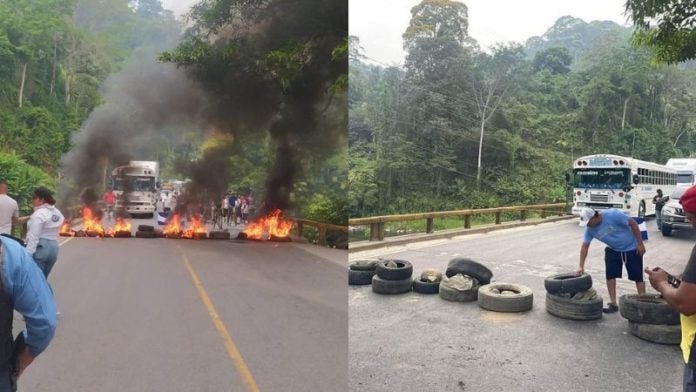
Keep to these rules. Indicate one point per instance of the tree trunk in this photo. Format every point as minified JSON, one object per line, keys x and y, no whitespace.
{"x":623,"y":118}
{"x":53,"y":67}
{"x":67,"y":89}
{"x":21,"y":85}
{"x":480,"y":149}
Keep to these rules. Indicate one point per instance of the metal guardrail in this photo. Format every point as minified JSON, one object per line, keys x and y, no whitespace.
{"x":377,"y":222}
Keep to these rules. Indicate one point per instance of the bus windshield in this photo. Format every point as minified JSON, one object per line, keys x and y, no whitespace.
{"x":134,"y":184}
{"x":601,"y":178}
{"x":685,"y":178}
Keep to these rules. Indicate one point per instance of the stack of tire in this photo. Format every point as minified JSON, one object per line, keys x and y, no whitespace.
{"x":572,"y":297}
{"x":464,"y":278}
{"x":361,"y":272}
{"x":651,"y":318}
{"x":392,"y":277}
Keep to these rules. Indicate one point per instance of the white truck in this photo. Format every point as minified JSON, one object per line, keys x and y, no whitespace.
{"x":686,"y":168}
{"x":137,"y":187}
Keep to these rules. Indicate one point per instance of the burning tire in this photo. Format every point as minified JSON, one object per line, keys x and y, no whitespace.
{"x":385,"y":286}
{"x":661,"y":334}
{"x":359,"y":278}
{"x":505,"y":297}
{"x":567,"y":282}
{"x":144,"y":234}
{"x":647,"y":309}
{"x":219,"y":235}
{"x":464,"y":266}
{"x":146,"y":228}
{"x":394,"y":269}
{"x":582,"y":306}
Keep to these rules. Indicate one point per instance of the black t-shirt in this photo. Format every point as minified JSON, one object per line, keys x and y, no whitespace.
{"x":659,"y":202}
{"x":690,"y":270}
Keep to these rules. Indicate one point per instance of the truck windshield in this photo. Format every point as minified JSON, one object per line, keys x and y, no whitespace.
{"x":134,"y":184}
{"x":601,"y":178}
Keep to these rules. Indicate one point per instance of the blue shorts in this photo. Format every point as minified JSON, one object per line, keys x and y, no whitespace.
{"x":614,"y":260}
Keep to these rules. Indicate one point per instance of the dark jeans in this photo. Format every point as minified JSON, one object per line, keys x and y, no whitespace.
{"x":689,"y":379}
{"x":5,"y":384}
{"x":658,"y":219}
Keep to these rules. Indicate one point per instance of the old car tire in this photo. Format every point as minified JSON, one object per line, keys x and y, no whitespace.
{"x":144,"y":234}
{"x":647,"y":309}
{"x":460,"y":265}
{"x":571,"y":309}
{"x":146,"y":228}
{"x":567,"y":282}
{"x":521,"y":301}
{"x":386,"y":286}
{"x":426,"y":287}
{"x":359,"y":278}
{"x":364,"y":265}
{"x":449,"y":293}
{"x":402,"y":271}
{"x":661,"y":334}
{"x":219,"y":235}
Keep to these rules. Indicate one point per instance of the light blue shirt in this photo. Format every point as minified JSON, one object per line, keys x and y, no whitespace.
{"x":29,"y":291}
{"x":613,"y":231}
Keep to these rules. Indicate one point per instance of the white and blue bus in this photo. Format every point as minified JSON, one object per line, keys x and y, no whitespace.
{"x":611,"y":181}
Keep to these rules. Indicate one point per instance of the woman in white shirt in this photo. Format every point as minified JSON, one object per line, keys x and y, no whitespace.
{"x":42,"y":230}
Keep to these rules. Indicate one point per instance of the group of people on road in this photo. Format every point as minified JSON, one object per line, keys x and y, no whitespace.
{"x":236,"y":208}
{"x":625,"y":247}
{"x":24,"y":269}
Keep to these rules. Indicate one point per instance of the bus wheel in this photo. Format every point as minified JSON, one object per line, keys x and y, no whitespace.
{"x":641,"y":210}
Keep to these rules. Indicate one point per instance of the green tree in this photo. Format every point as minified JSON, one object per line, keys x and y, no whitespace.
{"x":667,"y":26}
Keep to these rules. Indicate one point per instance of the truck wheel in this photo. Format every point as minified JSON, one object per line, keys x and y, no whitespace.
{"x":661,"y":334}
{"x":666,"y":230}
{"x":385,"y":286}
{"x":403,"y":270}
{"x":464,"y":266}
{"x":359,"y":278}
{"x":567,"y":282}
{"x":573,"y":309}
{"x":647,"y":309}
{"x":505,"y":297}
{"x":641,"y":210}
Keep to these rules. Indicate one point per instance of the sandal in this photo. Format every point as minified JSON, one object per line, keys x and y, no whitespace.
{"x":611,"y":308}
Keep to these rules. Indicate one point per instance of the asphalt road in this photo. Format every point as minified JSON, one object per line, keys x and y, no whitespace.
{"x":415,"y":342}
{"x":195,"y":315}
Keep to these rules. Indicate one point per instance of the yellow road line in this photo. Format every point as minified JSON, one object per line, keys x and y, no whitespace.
{"x":232,"y":350}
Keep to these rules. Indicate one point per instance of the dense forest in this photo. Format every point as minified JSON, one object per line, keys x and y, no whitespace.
{"x":86,"y":85}
{"x":460,"y":126}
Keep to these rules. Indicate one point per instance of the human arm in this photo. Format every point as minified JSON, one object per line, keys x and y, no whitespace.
{"x":636,"y":234}
{"x":681,"y":298}
{"x":583,"y":256}
{"x":34,"y":226}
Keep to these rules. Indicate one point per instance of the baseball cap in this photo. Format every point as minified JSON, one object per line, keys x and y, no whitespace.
{"x":587,"y":213}
{"x":688,"y":199}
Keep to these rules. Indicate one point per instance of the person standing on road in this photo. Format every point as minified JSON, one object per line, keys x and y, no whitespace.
{"x":624,"y":246}
{"x":109,"y":199}
{"x":9,"y":211}
{"x":22,"y":288}
{"x":42,"y":230}
{"x":683,"y":297}
{"x":659,"y":202}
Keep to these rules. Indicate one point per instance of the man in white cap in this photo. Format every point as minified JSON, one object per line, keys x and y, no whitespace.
{"x":624,"y":246}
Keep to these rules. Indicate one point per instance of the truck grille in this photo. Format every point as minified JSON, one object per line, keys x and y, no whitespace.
{"x":599,"y":198}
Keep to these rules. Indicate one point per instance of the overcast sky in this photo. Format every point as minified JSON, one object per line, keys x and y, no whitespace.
{"x":178,"y":6}
{"x":380,"y":23}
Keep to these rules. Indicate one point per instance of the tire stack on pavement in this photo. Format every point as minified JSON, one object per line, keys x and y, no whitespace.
{"x":464,"y":278}
{"x":428,"y":282}
{"x":572,"y":297}
{"x":651,"y":318}
{"x":361,"y":272}
{"x":393,"y":277}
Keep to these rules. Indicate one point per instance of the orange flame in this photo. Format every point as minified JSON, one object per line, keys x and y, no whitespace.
{"x":197,"y":227}
{"x":273,"y":225}
{"x":173,"y":227}
{"x":66,"y":231}
{"x":120,"y":226}
{"x":91,"y":224}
